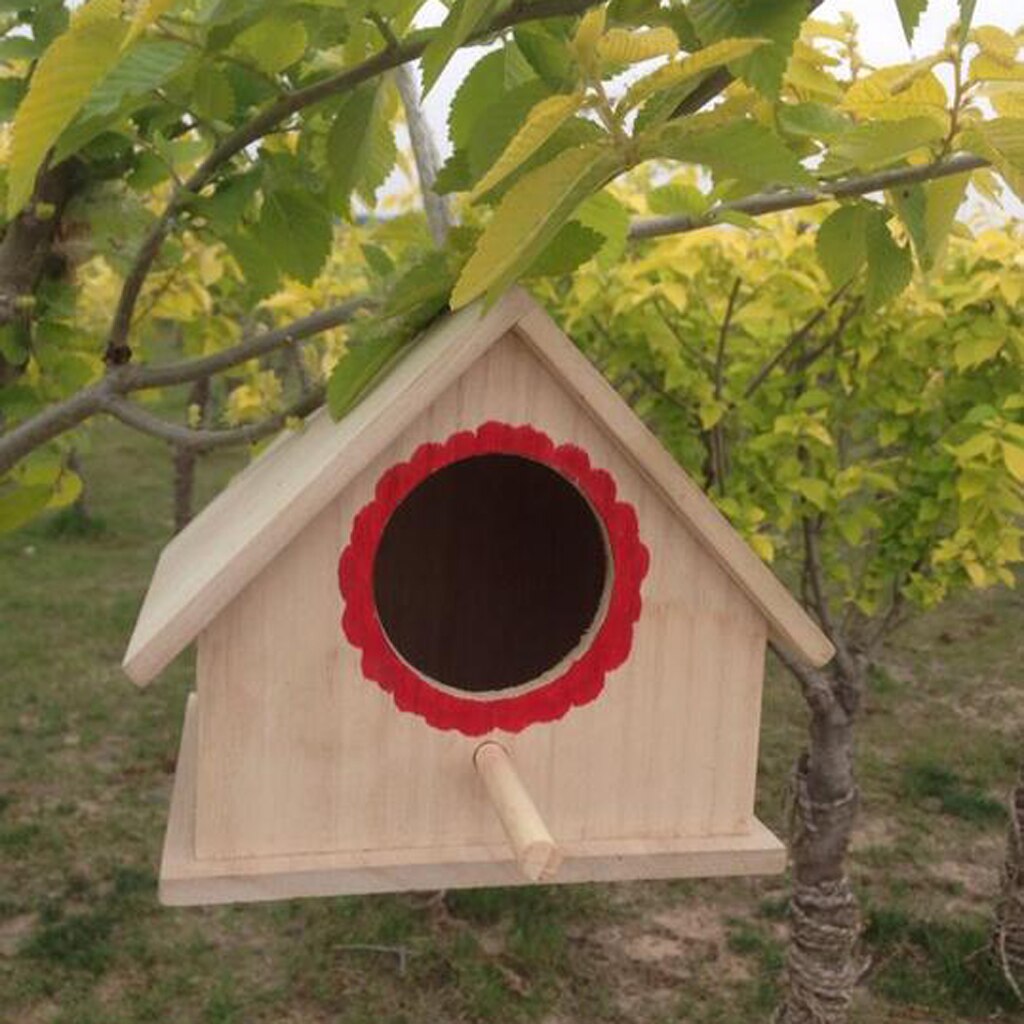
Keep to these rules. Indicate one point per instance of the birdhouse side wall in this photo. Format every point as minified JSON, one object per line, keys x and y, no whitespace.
{"x":298,"y":752}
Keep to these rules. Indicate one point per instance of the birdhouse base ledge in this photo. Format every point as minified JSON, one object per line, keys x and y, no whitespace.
{"x":185,"y":880}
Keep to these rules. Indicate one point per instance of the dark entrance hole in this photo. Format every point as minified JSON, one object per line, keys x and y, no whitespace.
{"x":489,"y":572}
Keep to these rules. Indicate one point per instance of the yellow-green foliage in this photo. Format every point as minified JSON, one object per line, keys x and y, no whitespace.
{"x":902,"y":431}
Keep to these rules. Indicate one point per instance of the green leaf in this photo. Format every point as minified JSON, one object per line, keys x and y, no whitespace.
{"x":19,"y":48}
{"x":690,"y":69}
{"x":296,"y":229}
{"x":529,"y":216}
{"x":464,"y":17}
{"x":811,"y":120}
{"x":499,"y":124}
{"x":64,"y":77}
{"x":360,"y":368}
{"x":547,"y":55}
{"x":486,"y":82}
{"x":928,"y":212}
{"x":880,"y":143}
{"x":621,"y":46}
{"x":814,"y":490}
{"x":966,"y":17}
{"x":1001,"y":140}
{"x":454,"y":175}
{"x":777,"y":20}
{"x":890,"y":266}
{"x":541,"y":123}
{"x":977,"y":348}
{"x":147,"y":13}
{"x":257,"y":264}
{"x":603,"y":213}
{"x":842,"y":243}
{"x":571,"y":247}
{"x":273,"y":43}
{"x":910,"y":12}
{"x":360,"y":146}
{"x":678,"y":198}
{"x":12,"y":92}
{"x":21,"y":504}
{"x":212,"y":94}
{"x":428,"y":281}
{"x":741,"y":149}
{"x":143,"y":68}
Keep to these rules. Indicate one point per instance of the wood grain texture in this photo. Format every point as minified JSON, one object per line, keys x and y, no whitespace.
{"x":186,"y":880}
{"x":280,"y":494}
{"x":274,"y":498}
{"x":791,"y":626}
{"x":299,"y":754}
{"x":534,"y":848}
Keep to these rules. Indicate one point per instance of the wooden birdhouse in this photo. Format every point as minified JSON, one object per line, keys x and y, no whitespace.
{"x":483,"y":630}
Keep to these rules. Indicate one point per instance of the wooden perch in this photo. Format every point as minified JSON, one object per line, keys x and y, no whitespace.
{"x":536,"y":852}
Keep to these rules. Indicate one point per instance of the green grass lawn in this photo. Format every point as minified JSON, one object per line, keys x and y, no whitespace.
{"x":86,"y":763}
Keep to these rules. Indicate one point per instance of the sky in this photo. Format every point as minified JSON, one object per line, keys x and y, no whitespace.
{"x":881,"y":34}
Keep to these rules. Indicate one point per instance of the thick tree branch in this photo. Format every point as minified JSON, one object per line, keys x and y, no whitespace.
{"x":424,"y":151}
{"x":202,"y":439}
{"x":122,"y":380}
{"x":252,"y":347}
{"x":52,"y":422}
{"x":813,"y":684}
{"x":790,"y":199}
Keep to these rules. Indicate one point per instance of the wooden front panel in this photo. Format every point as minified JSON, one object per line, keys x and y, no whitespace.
{"x":298,"y":753}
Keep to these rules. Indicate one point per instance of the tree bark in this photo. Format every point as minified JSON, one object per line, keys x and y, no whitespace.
{"x":1008,"y":938}
{"x":424,"y":150}
{"x":822,"y":966}
{"x":27,"y":251}
{"x":185,"y":459}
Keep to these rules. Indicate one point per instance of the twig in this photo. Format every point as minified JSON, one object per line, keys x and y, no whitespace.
{"x":248,"y":348}
{"x":200,"y":439}
{"x":796,"y":338}
{"x":402,"y":953}
{"x":716,"y":437}
{"x":790,"y":199}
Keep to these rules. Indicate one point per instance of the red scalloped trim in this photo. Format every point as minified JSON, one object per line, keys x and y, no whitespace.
{"x":583,"y":679}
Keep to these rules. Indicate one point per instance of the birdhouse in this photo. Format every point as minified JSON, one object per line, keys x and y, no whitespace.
{"x":482,"y":631}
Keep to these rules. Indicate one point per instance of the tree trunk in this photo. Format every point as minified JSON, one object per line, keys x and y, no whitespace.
{"x":81,"y":505}
{"x":185,"y":459}
{"x":822,"y":966}
{"x":1008,"y":939}
{"x":27,"y":251}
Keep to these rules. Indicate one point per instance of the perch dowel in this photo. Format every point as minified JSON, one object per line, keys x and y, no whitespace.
{"x":536,"y":852}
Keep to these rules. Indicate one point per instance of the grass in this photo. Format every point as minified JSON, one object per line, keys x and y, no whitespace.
{"x":86,"y":763}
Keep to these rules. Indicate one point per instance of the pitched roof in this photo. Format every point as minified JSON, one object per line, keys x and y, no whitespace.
{"x":277,"y":496}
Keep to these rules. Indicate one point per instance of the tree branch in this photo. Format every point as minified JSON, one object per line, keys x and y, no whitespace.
{"x":795,"y":339}
{"x":813,"y":683}
{"x":268,"y":119}
{"x":52,"y":422}
{"x":201,"y":439}
{"x":424,"y":151}
{"x":790,"y":199}
{"x":122,"y":380}
{"x":138,"y":378}
{"x":716,"y":436}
